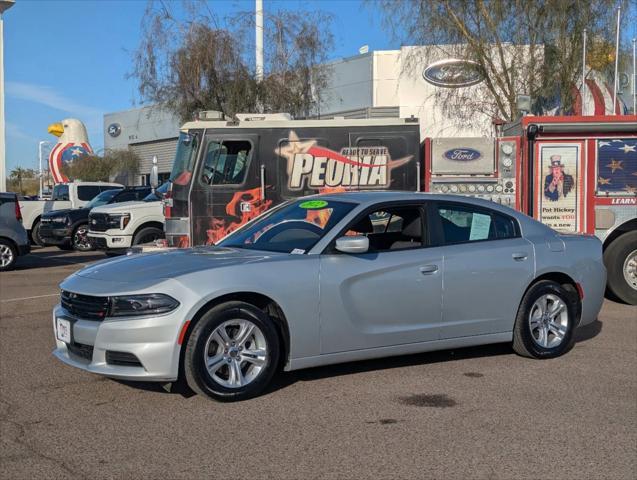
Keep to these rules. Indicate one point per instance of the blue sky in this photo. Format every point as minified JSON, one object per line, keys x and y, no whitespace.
{"x":69,"y":59}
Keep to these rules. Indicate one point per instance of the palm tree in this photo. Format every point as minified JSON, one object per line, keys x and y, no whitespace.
{"x":18,"y":173}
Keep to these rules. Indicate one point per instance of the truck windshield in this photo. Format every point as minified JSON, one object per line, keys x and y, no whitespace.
{"x":184,"y":159}
{"x":293,"y":228}
{"x":103,"y":198}
{"x":158,"y":194}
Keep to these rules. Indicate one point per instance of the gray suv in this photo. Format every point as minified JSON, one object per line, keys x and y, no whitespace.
{"x":14,"y":240}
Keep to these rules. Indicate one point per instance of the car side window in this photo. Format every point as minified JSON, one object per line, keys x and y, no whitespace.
{"x":395,"y":228}
{"x":87,"y":192}
{"x":60,"y":192}
{"x":465,"y":223}
{"x":226,"y":163}
{"x":125,"y":196}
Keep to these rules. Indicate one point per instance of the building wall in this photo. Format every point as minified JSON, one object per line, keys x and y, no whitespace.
{"x":350,"y":85}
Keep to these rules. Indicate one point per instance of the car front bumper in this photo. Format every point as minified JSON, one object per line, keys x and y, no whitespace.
{"x":104,"y":241}
{"x":54,"y":235}
{"x":95,"y":346}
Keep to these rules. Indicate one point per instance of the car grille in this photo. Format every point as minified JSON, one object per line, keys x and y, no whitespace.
{"x":80,"y":350}
{"x":98,"y":222}
{"x":85,"y":306}
{"x":98,"y":242}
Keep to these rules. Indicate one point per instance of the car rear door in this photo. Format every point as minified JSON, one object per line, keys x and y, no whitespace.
{"x":487,"y":267}
{"x":385,"y":297}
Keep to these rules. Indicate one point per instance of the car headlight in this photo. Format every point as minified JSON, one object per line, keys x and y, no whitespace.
{"x":119,"y":220}
{"x":59,"y":220}
{"x":148,"y":304}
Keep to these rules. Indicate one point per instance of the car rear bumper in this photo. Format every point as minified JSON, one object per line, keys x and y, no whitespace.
{"x":144,"y":349}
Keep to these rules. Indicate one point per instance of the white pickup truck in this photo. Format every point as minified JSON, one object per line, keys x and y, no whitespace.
{"x":65,"y":195}
{"x":119,"y":226}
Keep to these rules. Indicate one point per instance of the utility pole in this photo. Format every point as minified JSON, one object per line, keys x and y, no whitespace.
{"x":258,"y":4}
{"x":4,"y":6}
{"x":616,"y":80}
{"x":41,"y":172}
{"x":634,"y":80}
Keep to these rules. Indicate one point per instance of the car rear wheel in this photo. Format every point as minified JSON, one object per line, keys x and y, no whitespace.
{"x":8,"y":255}
{"x":232,"y":353}
{"x":35,"y":234}
{"x":147,"y":235}
{"x":620,"y":258}
{"x":546,"y":320}
{"x":80,"y":239}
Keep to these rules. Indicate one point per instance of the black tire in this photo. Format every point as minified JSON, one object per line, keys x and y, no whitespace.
{"x":615,"y":257}
{"x":147,"y":234}
{"x":80,"y":239}
{"x":524,"y":343}
{"x":35,"y":234}
{"x":8,"y":255}
{"x":195,"y":371}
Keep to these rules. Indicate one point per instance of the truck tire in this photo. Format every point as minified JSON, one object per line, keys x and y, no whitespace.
{"x":147,"y":234}
{"x":80,"y":239}
{"x":8,"y":255}
{"x":35,"y":234}
{"x":620,"y":258}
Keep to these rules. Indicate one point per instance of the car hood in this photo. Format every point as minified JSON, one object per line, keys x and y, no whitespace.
{"x":142,"y":268}
{"x":122,"y":207}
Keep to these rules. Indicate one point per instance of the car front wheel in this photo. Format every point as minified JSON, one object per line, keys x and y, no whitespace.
{"x":232,"y":352}
{"x":546,"y":320}
{"x":80,"y":239}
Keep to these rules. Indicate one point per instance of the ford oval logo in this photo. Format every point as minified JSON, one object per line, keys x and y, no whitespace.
{"x":463,"y":154}
{"x":453,"y":73}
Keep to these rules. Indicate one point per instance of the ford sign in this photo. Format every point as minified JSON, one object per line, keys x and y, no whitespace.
{"x":453,"y":73}
{"x":462,"y":154}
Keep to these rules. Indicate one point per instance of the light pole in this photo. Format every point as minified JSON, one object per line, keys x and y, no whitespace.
{"x":4,"y":5}
{"x":41,"y":174}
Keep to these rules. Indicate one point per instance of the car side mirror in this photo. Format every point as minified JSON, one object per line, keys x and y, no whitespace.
{"x":358,"y":244}
{"x":154,"y":174}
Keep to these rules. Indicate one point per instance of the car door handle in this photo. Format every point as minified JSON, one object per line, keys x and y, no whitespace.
{"x":519,"y":257}
{"x":429,"y":269}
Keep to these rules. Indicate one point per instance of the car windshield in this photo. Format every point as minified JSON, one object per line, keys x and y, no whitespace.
{"x":157,"y":194}
{"x":293,"y":228}
{"x":103,"y":198}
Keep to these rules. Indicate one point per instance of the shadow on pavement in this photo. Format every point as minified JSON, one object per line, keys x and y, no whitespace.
{"x":39,"y":258}
{"x":589,"y":331}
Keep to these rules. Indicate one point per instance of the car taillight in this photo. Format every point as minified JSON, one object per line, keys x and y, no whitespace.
{"x":18,"y":213}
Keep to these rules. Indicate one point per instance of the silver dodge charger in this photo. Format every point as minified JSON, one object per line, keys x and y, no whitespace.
{"x":328,"y":279}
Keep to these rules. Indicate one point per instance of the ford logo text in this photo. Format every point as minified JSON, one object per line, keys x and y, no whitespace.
{"x":453,"y":73}
{"x":462,"y":154}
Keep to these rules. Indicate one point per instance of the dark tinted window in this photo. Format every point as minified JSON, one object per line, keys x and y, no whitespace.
{"x":87,"y":192}
{"x":465,"y":223}
{"x":60,"y":192}
{"x":131,"y":195}
{"x":226,"y":163}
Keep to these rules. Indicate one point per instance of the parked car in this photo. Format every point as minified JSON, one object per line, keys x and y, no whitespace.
{"x":68,"y":229}
{"x":14,"y":241}
{"x":65,"y":195}
{"x":227,"y":315}
{"x":116,"y":227}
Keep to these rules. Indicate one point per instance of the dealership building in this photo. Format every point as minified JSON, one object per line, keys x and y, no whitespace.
{"x":387,"y":83}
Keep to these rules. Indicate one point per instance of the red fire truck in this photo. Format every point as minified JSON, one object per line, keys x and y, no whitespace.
{"x":576,"y":174}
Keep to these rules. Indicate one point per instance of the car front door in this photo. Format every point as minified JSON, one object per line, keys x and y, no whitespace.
{"x":390,"y":295}
{"x":487,"y":266}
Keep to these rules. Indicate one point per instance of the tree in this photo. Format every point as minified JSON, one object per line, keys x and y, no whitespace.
{"x":518,"y":46}
{"x":96,"y":168}
{"x":19,"y":175}
{"x":200,"y":62}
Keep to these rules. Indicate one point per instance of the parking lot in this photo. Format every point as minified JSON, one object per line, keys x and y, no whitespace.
{"x":471,"y":413}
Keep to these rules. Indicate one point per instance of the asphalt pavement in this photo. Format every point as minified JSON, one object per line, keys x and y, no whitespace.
{"x":469,"y":413}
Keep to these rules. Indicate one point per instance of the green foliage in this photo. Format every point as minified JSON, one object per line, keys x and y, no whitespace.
{"x":94,"y":168}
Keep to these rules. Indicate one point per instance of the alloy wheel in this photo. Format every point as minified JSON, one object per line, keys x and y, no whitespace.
{"x":236,"y":353}
{"x":80,"y":239}
{"x":548,"y":320}
{"x":6,"y":256}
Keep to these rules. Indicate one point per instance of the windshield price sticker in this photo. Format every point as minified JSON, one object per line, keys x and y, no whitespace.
{"x":313,"y":204}
{"x":297,"y":251}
